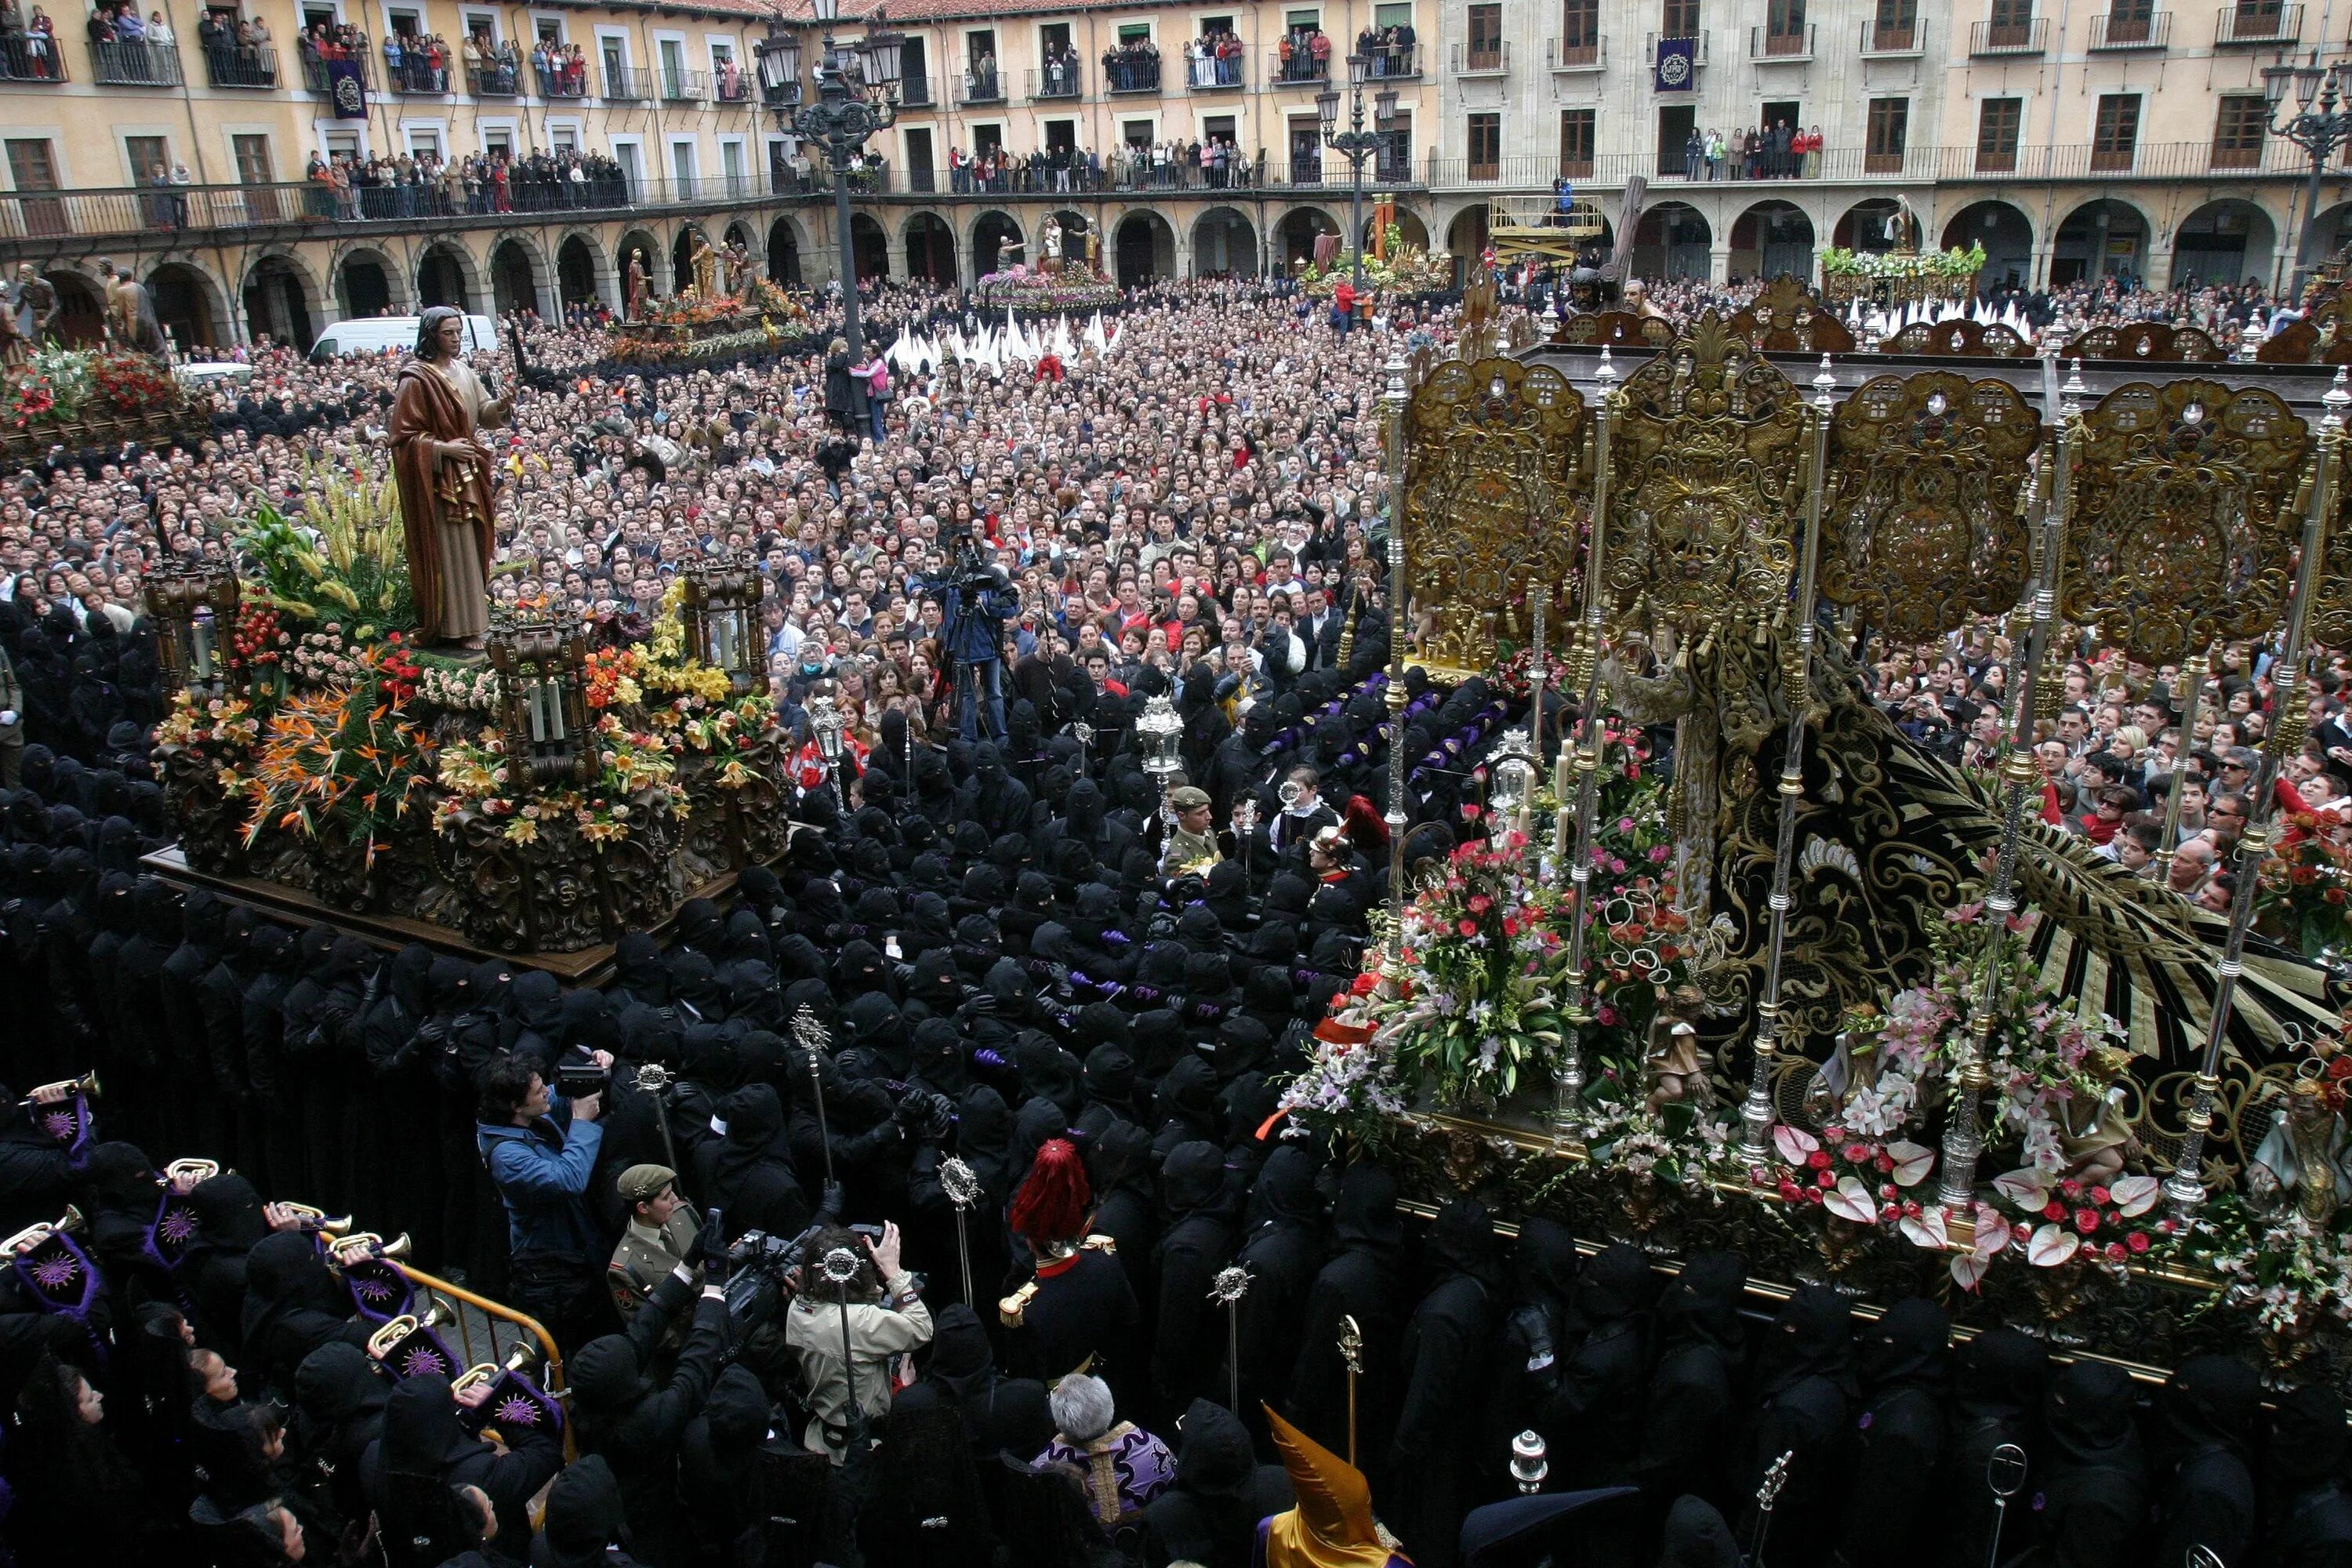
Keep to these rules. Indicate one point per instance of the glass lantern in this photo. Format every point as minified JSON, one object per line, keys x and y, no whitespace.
{"x":190,"y":604}
{"x":1511,"y":782}
{"x":543,"y":707}
{"x":722,"y":615}
{"x":1161,"y":730}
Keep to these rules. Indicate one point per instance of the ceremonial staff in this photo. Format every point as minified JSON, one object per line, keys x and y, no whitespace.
{"x":1232,"y":1283}
{"x":814,"y":1039}
{"x":1351,"y":1353}
{"x":961,"y":1184}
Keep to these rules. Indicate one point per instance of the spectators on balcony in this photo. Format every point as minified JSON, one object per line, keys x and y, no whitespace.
{"x":1061,"y":77}
{"x":491,"y":66}
{"x":1132,"y":65}
{"x":1305,"y":54}
{"x":236,"y":53}
{"x":30,"y":50}
{"x":417,"y":64}
{"x":732,"y":87}
{"x":424,"y":186}
{"x":1389,"y":49}
{"x":979,"y":85}
{"x":562,"y":71}
{"x":1215,"y":59}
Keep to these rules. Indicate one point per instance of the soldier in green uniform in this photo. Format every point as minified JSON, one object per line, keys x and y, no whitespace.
{"x":659,"y":1236}
{"x":1192,"y":844}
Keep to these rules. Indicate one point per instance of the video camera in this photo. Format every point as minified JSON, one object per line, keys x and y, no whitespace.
{"x":577,"y":1080}
{"x":764,"y":1272}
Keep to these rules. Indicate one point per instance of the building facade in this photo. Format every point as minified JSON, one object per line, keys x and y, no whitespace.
{"x":2072,"y":138}
{"x":184,"y":153}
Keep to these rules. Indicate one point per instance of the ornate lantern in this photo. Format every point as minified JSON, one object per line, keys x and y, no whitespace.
{"x":1510,"y":783}
{"x":1160,"y":729}
{"x":722,"y":612}
{"x":542,"y":706}
{"x":828,"y":723}
{"x":192,"y":607}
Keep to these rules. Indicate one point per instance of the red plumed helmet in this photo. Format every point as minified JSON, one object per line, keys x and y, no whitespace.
{"x":1055,"y":1201}
{"x":1363,"y":825}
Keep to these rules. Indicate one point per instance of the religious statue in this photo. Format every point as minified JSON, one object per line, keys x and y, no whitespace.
{"x":14,"y":349}
{"x":447,"y":481}
{"x":1049,"y":239}
{"x":1094,"y":251}
{"x":1670,"y":1065}
{"x":37,"y":305}
{"x":705,"y":262}
{"x":130,"y":312}
{"x":738,"y":268}
{"x":1853,"y":1065}
{"x":2302,"y":1153}
{"x":2097,"y":1139}
{"x":637,"y":285}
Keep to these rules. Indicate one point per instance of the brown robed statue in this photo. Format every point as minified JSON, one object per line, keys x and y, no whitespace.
{"x":448,"y":480}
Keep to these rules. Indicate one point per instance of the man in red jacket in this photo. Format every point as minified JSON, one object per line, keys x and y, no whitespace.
{"x":1343,"y":307}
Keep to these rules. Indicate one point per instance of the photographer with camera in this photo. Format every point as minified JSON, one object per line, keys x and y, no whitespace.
{"x":621,"y":1413}
{"x":857,"y":1308}
{"x":976,"y":598}
{"x":540,"y":1148}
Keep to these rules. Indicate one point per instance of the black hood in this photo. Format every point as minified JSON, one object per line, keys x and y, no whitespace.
{"x":1907,"y":1347}
{"x":1215,"y":1458}
{"x":1613,"y":1284}
{"x":1702,"y":1305}
{"x":420,"y":1433}
{"x":1696,"y":1537}
{"x":1812,"y":1336}
{"x":607,"y":1377}
{"x":585,"y":1514}
{"x":2214,"y":1400}
{"x":2088,"y":1416}
{"x":1546,"y":1258}
{"x":1365,"y":1217}
{"x":2000,"y":1375}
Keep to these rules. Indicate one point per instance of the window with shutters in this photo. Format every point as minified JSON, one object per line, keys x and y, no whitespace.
{"x":1679,"y":19}
{"x":1486,"y":47}
{"x":1579,"y":32}
{"x":1485,"y":146}
{"x":2010,"y":24}
{"x":1576,"y":137}
{"x":2115,"y":137}
{"x":1897,"y":25}
{"x":2239,"y":128}
{"x":1889,"y":136}
{"x":1999,"y":120}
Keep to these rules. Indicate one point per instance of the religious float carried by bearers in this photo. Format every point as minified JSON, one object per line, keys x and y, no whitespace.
{"x":577,"y":780}
{"x":1786,"y":991}
{"x":691,"y":327}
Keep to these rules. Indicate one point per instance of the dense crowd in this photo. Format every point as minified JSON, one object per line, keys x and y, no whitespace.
{"x":1011,"y":962}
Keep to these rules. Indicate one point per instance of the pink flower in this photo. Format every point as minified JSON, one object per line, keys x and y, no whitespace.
{"x":1825,"y":1178}
{"x":2053,"y":1210}
{"x":1480,"y":903}
{"x":2116,"y":1250}
{"x":1818,"y":1160}
{"x":2098,"y":1195}
{"x":2086,"y":1220}
{"x":2139,"y":1240}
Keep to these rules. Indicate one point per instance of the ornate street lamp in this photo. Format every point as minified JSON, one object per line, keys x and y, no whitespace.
{"x":542,"y":706}
{"x":720,"y":610}
{"x":2320,"y":122}
{"x":1356,"y":144}
{"x":846,"y":116}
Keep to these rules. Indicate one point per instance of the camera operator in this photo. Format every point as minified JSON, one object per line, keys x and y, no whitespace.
{"x":659,"y":1236}
{"x":886,"y":1318}
{"x":540,"y":1151}
{"x":620,"y":1412}
{"x":976,"y":599}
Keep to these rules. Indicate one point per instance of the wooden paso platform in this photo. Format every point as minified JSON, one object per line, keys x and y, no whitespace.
{"x":588,"y":966}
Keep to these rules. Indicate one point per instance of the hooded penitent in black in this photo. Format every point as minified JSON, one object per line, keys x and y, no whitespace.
{"x":292,"y":1306}
{"x":1445,"y":1345}
{"x":1211,"y":1514}
{"x":1693,"y":1410}
{"x":636,"y":1421}
{"x":1281,"y":1249}
{"x":1998,"y":1379}
{"x":1805,"y":1388}
{"x":749,"y":1174}
{"x":1898,"y":1439}
{"x":1596,"y":1416}
{"x":2094,"y":1489}
{"x":999,"y":1414}
{"x":422,"y":1452}
{"x":2307,"y":1508}
{"x":2210,"y":1409}
{"x":1197,"y":1242}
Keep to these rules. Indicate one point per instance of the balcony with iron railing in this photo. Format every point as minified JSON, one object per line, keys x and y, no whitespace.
{"x":140,"y":64}
{"x":1217,"y":73}
{"x":1482,"y":60}
{"x":1131,"y":73}
{"x":1391,"y":62}
{"x":500,"y":80}
{"x":32,"y":58}
{"x":914,"y":90}
{"x":560,"y":83}
{"x":1299,"y":69}
{"x":2257,"y":25}
{"x":2156,"y":163}
{"x":981,"y":87}
{"x":628,"y":84}
{"x":416,"y":74}
{"x":730,"y":87}
{"x":1768,"y":45}
{"x":1699,"y":42}
{"x":2120,"y":30}
{"x":1590,"y":55}
{"x":2030,"y":36}
{"x":314,"y":65}
{"x":1058,"y":81}
{"x":1893,"y":38}
{"x":241,"y":66}
{"x":685,"y":85}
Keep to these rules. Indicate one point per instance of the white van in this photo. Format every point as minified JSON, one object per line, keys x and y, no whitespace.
{"x":374,"y":334}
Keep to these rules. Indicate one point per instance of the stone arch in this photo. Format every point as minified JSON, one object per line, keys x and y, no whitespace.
{"x":2224,"y":241}
{"x":1295,"y":234}
{"x":81,"y":305}
{"x":446,"y":274}
{"x":1411,"y":230}
{"x":282,"y":299}
{"x":931,"y":248}
{"x":641,"y":244}
{"x":1770,"y":238}
{"x":1673,"y":240}
{"x":1870,"y":225}
{"x":870,"y":244}
{"x":1146,"y":249}
{"x":580,"y":272}
{"x":1465,"y":237}
{"x":681,"y":256}
{"x":190,"y":304}
{"x":370,"y":283}
{"x":518,"y":272}
{"x":2006,"y":232}
{"x":2105,"y":238}
{"x":992,"y":234}
{"x":784,"y":252}
{"x":1224,"y":244}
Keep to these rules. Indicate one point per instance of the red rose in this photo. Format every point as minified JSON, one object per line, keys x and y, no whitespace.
{"x":2071,"y":1188}
{"x":1790,"y":1192}
{"x":2086,"y":1220}
{"x":1855,"y":1154}
{"x":2098,"y":1195}
{"x":2139,"y":1240}
{"x":1825,"y":1178}
{"x":2114,"y":1249}
{"x":2053,"y":1209}
{"x":1468,"y":928}
{"x":1819,"y":1159}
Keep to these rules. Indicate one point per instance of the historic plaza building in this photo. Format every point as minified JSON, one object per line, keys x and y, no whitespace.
{"x":2071,"y":137}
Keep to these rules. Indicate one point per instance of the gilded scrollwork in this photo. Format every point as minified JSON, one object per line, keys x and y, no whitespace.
{"x":1923,"y":527}
{"x":1495,"y":444}
{"x":2181,"y":531}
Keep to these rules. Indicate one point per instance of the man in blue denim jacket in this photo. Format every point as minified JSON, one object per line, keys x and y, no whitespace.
{"x":540,"y":1151}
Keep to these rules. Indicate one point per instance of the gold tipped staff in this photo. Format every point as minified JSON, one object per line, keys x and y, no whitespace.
{"x":2192,"y":675}
{"x":2186,"y":1185}
{"x":1394,"y":398}
{"x":1582,"y":672}
{"x":1963,"y":1134}
{"x":1351,"y":1354}
{"x":1796,"y":668}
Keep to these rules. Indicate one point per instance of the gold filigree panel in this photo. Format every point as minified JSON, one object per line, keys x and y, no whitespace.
{"x":1922,"y":527}
{"x":1495,"y":503}
{"x":1707,"y":489}
{"x":2181,"y":530}
{"x":2331,"y":604}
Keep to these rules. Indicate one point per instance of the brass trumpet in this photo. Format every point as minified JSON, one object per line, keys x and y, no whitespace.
{"x":86,"y":1084}
{"x":358,"y":1244}
{"x":314,"y":1219}
{"x":388,"y":1335}
{"x":191,"y":1171}
{"x":32,"y":1236}
{"x":521,"y":1360}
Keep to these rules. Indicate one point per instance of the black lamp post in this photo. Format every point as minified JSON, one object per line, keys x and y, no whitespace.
{"x":845,"y":117}
{"x":2320,"y":122}
{"x":1356,"y":144}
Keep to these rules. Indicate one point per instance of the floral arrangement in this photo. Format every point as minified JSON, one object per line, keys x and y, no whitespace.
{"x":1074,"y":288}
{"x":1852,"y":1176}
{"x":634,"y":776}
{"x":1406,"y":267}
{"x":2054,"y":1220}
{"x":1474,"y":1001}
{"x":1679,"y":1143}
{"x":338,"y":756}
{"x":58,"y":386}
{"x":347,"y":557}
{"x":459,"y":688}
{"x":1837,"y":262}
{"x":1350,"y":1092}
{"x":2300,"y":894}
{"x":2293,"y":1272}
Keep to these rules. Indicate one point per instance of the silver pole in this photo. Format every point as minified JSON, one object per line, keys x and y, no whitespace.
{"x":1394,"y":398}
{"x":2192,"y":675}
{"x":2186,"y":1185}
{"x":1796,"y":667}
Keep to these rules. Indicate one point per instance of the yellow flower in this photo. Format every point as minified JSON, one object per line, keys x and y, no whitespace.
{"x":522,"y":830}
